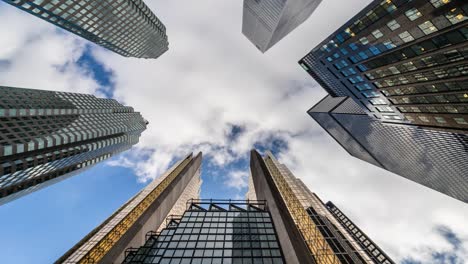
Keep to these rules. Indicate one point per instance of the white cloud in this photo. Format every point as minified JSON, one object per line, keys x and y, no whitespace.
{"x":237,"y":179}
{"x":211,"y":78}
{"x":38,"y":56}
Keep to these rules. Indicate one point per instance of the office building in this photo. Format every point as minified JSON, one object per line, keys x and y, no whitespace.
{"x":404,"y":65}
{"x":215,"y":232}
{"x":435,"y":159}
{"x":265,"y":22}
{"x":403,"y":61}
{"x":126,"y":27}
{"x":358,"y":235}
{"x":140,"y":217}
{"x":48,"y":136}
{"x":309,"y":231}
{"x":288,"y":224}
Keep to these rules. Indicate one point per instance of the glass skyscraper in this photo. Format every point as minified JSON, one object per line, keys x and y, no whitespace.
{"x":403,"y":64}
{"x":435,"y":159}
{"x":215,"y":232}
{"x":127,"y":27}
{"x":319,"y":233}
{"x":288,"y":224}
{"x":48,"y":136}
{"x":265,"y":22}
{"x":140,"y":217}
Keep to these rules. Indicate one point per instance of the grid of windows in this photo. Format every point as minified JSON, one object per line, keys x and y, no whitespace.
{"x":391,"y":47}
{"x":339,"y":243}
{"x":435,"y":159}
{"x":214,"y":232}
{"x":102,"y":239}
{"x":127,"y":27}
{"x":265,"y":23}
{"x":45,"y":135}
{"x":377,"y":254}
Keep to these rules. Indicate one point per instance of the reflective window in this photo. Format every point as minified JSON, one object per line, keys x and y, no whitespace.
{"x":393,"y":25}
{"x":406,"y":36}
{"x":377,"y":34}
{"x":413,"y":14}
{"x":427,"y":27}
{"x":438,"y":3}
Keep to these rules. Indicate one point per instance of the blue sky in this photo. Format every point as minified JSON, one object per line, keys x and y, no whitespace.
{"x":211,"y":92}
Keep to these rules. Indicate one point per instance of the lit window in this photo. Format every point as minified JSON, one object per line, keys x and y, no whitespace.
{"x":437,"y":3}
{"x":427,"y":27}
{"x":406,"y":36}
{"x":393,"y":25}
{"x":377,"y":33}
{"x":456,"y":16}
{"x":413,"y":14}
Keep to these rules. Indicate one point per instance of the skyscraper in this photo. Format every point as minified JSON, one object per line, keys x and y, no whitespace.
{"x":309,"y":231}
{"x":289,"y":224}
{"x":435,"y":159}
{"x":214,"y":231}
{"x":403,"y":63}
{"x":265,"y":22}
{"x":140,"y":217}
{"x":48,"y":136}
{"x":127,"y":27}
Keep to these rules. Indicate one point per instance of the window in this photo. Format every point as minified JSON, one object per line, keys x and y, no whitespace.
{"x":413,"y":14}
{"x":406,"y":36}
{"x":364,"y":41}
{"x":393,"y":25}
{"x":374,"y":50}
{"x":456,"y":15}
{"x":384,"y":109}
{"x":437,"y":3}
{"x":424,"y":118}
{"x":394,"y":70}
{"x":353,"y":46}
{"x":440,"y":120}
{"x":7,"y":150}
{"x":370,"y":94}
{"x":363,"y":87}
{"x":377,"y":33}
{"x":389,"y":44}
{"x":427,"y":27}
{"x":460,"y":120}
{"x":378,"y":101}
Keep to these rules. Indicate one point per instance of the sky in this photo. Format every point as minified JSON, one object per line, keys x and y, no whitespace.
{"x":213,"y":91}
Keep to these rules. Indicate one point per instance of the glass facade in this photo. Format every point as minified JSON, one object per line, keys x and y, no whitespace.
{"x":214,"y":232}
{"x":360,"y":237}
{"x":45,"y":136}
{"x":130,"y":222}
{"x":435,"y":159}
{"x":402,"y":61}
{"x":328,"y":240}
{"x":268,"y":21}
{"x":127,"y":27}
